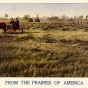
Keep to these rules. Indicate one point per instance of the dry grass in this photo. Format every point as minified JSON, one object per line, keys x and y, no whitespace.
{"x":44,"y":53}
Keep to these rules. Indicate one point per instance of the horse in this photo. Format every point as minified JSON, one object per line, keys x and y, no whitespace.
{"x":15,"y":27}
{"x":3,"y":26}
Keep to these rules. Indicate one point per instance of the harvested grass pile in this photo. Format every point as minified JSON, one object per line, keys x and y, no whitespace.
{"x":30,"y":20}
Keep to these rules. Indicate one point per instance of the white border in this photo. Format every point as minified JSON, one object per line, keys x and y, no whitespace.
{"x":60,"y":85}
{"x":3,"y":79}
{"x":43,"y":1}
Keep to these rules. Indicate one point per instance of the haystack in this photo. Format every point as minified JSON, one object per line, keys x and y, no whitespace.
{"x":30,"y":20}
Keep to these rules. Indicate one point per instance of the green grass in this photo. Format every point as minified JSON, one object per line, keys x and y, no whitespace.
{"x":44,"y":53}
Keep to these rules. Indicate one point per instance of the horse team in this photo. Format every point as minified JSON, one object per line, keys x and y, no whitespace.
{"x":13,"y":25}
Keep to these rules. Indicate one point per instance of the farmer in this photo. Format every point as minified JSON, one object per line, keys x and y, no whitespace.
{"x":12,"y":22}
{"x":17,"y":23}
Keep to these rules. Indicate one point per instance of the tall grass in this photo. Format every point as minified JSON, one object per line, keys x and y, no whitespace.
{"x":44,"y":53}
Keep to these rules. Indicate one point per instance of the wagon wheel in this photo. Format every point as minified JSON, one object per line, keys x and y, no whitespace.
{"x":9,"y":28}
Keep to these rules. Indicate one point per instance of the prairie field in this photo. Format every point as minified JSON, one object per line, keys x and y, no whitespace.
{"x":45,"y":49}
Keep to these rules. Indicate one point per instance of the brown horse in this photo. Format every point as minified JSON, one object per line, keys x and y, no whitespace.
{"x":3,"y":26}
{"x":15,"y":27}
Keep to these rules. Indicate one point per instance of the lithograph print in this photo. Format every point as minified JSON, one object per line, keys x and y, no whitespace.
{"x":43,"y":40}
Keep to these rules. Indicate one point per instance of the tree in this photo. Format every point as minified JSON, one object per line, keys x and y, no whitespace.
{"x":52,"y":18}
{"x":80,"y":18}
{"x":49,"y":18}
{"x":6,"y":16}
{"x":86,"y":17}
{"x":63,"y":17}
{"x":55,"y":18}
{"x":75,"y":17}
{"x":37,"y":18}
{"x":26,"y":17}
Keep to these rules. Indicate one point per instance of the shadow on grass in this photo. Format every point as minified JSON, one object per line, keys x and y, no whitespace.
{"x":81,"y":42}
{"x":7,"y":38}
{"x":31,"y":32}
{"x":15,"y":32}
{"x":21,"y":32}
{"x":13,"y":36}
{"x":30,"y":36}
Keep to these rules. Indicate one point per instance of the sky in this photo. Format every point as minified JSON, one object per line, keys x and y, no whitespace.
{"x":43,"y":9}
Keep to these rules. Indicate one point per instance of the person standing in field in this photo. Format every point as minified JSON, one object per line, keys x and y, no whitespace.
{"x":17,"y":23}
{"x":12,"y":22}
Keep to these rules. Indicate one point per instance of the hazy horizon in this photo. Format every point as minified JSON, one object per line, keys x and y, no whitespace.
{"x":43,"y":9}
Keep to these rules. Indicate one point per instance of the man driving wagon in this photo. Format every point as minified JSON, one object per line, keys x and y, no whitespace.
{"x":14,"y":25}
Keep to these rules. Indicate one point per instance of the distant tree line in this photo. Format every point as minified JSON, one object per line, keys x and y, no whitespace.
{"x":52,"y":18}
